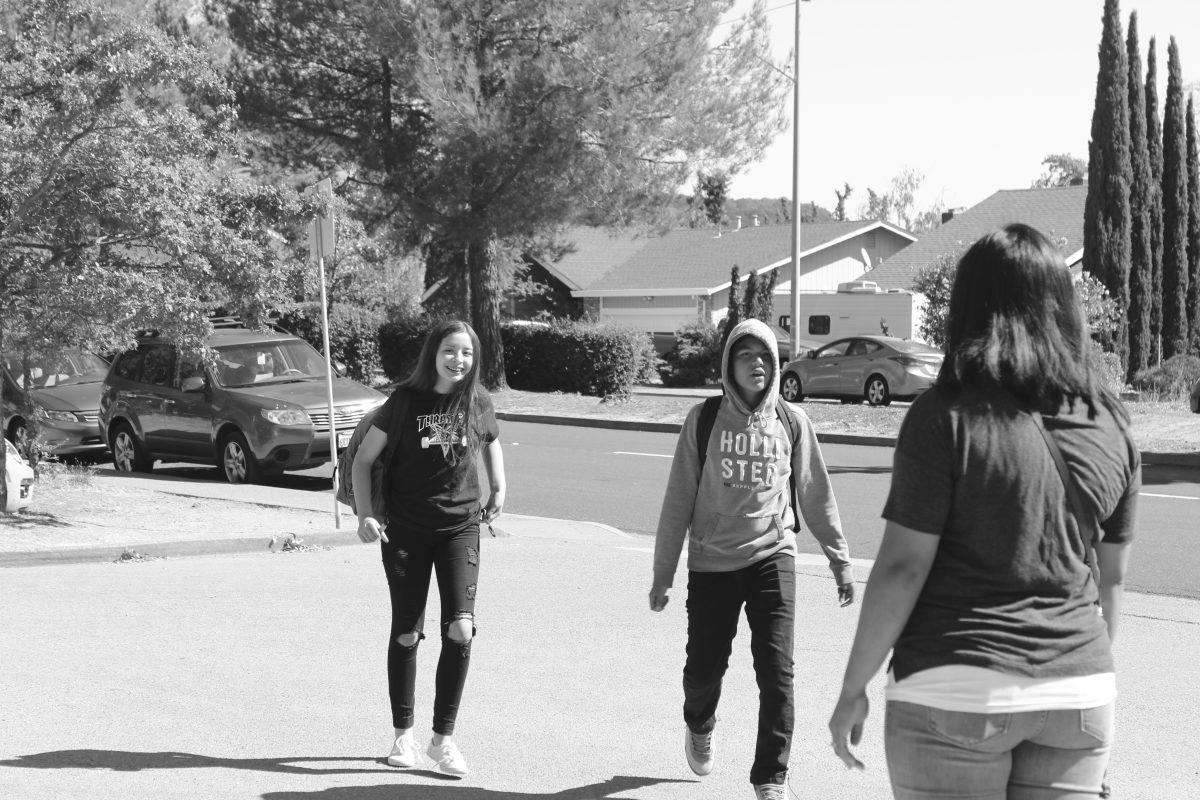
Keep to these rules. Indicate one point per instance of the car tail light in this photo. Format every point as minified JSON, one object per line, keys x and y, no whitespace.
{"x":915,"y":361}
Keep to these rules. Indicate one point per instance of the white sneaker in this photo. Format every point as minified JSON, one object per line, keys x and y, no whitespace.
{"x":404,"y":752}
{"x":698,"y":747}
{"x":447,"y":757}
{"x":770,"y":791}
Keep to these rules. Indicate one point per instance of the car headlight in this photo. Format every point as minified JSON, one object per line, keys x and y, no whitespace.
{"x":287,"y":416}
{"x":50,"y":413}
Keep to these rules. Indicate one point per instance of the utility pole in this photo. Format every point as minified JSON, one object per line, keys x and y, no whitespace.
{"x":794,"y":312}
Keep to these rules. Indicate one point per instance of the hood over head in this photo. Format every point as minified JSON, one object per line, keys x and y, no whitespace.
{"x":760,"y":331}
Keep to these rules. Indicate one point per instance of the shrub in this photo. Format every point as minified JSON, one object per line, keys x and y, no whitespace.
{"x":695,"y":359}
{"x":1107,"y":367}
{"x":400,"y":341}
{"x":601,"y":360}
{"x":1173,"y":379}
{"x":353,"y":336}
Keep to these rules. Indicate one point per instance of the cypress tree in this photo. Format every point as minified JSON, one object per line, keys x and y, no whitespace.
{"x":1193,"y":233}
{"x":1106,"y":222}
{"x":1154,"y":147}
{"x":750,"y":298}
{"x":766,"y":296}
{"x":1175,"y":212}
{"x":733,"y":313}
{"x":1139,"y":211}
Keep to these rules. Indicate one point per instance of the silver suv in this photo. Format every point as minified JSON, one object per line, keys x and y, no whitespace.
{"x":263,"y":408}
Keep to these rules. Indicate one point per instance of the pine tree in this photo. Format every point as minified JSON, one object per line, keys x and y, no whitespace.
{"x":750,"y":298}
{"x":1193,"y":232}
{"x":1175,"y":211}
{"x":1154,"y":146}
{"x":766,"y":296}
{"x":1106,"y":222}
{"x":733,"y":314}
{"x":1140,"y":209}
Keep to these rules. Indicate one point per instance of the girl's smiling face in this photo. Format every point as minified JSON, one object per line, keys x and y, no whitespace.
{"x":454,"y":358}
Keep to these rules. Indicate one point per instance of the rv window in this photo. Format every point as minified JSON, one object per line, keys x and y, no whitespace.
{"x":818,"y":325}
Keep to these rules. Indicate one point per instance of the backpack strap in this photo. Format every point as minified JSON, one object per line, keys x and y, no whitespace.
{"x":704,"y":426}
{"x":1090,"y":533}
{"x":785,"y":413}
{"x":395,"y":428}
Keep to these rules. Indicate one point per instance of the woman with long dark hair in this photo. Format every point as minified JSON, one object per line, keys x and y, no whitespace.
{"x":442,"y":420}
{"x":1002,"y":682}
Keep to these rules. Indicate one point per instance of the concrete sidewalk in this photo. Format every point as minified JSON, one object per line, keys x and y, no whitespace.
{"x":262,"y":676}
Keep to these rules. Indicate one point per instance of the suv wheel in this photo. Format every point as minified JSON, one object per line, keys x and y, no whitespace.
{"x":237,"y":460}
{"x":128,"y":454}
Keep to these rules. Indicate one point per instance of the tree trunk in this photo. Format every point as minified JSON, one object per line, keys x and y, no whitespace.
{"x":485,"y":312}
{"x":4,"y":433}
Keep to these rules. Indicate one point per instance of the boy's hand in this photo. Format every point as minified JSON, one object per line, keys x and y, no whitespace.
{"x":846,"y":594}
{"x":658,"y":597}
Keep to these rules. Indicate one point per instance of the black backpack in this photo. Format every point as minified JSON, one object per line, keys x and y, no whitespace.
{"x":704,"y":428}
{"x":345,"y":461}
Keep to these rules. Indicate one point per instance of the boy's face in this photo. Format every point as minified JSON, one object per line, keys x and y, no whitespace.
{"x":751,"y":364}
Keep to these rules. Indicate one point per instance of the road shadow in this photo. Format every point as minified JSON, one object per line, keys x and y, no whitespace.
{"x":28,"y":518}
{"x":198,"y":473}
{"x":1164,"y":474}
{"x":130,"y":761}
{"x":452,"y":791}
{"x":879,"y":470}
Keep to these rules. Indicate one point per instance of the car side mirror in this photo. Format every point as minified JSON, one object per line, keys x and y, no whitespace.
{"x":194,"y":384}
{"x":812,"y":353}
{"x":339,"y":369}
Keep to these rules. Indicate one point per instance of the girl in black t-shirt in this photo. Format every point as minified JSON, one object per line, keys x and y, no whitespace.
{"x":433,"y":501}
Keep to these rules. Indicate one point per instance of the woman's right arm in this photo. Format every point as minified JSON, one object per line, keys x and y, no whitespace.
{"x":369,"y":450}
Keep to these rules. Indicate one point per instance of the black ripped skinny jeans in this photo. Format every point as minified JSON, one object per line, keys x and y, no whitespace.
{"x":409,"y":557}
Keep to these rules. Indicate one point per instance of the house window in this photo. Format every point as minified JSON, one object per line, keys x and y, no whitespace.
{"x":818,"y":325}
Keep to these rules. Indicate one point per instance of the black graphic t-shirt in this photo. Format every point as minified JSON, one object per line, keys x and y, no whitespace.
{"x":425,"y":489}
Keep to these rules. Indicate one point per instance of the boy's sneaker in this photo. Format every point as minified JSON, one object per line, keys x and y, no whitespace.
{"x":770,"y":791}
{"x":698,"y":747}
{"x":447,"y":757}
{"x":404,"y":752}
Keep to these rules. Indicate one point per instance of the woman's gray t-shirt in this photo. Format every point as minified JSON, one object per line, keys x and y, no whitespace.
{"x":1009,"y":588}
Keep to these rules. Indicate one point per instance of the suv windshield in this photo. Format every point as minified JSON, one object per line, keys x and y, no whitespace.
{"x":60,"y":369}
{"x":276,"y":361}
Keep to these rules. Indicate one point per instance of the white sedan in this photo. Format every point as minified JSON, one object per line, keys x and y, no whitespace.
{"x":18,"y":477}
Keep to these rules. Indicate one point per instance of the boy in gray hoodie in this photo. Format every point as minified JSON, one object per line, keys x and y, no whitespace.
{"x":735,"y":510}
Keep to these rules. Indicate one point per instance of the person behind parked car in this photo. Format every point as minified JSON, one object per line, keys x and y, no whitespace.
{"x":1001,"y":682}
{"x":434,"y":510}
{"x":737,"y":512}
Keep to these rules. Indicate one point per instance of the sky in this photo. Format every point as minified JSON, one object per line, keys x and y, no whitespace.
{"x":971,"y":93}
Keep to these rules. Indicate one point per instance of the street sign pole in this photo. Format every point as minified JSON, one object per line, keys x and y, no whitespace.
{"x":322,"y":242}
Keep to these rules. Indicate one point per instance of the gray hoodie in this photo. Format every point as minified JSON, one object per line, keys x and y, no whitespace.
{"x":737,"y":510}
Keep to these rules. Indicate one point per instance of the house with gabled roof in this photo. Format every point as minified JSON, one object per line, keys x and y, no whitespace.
{"x":660,"y":283}
{"x":1056,"y":212}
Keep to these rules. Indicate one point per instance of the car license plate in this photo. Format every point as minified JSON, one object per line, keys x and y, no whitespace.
{"x":344,"y":438}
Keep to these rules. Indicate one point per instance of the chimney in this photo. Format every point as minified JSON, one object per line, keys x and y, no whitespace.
{"x":739,"y":223}
{"x":755,"y":218}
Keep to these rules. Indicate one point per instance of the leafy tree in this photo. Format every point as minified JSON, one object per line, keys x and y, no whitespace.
{"x":1106,"y":220}
{"x":1140,"y":209}
{"x":839,"y":211}
{"x":482,"y":125}
{"x":935,"y":283}
{"x":713,"y":189}
{"x":1154,"y":146}
{"x":1175,"y":212}
{"x":1064,"y":169}
{"x":1193,"y":232}
{"x":898,"y":204}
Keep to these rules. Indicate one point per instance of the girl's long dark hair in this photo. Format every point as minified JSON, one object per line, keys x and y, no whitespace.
{"x":1016,"y":325}
{"x":462,"y":397}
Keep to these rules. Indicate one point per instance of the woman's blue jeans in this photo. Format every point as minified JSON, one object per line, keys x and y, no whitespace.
{"x":1030,"y":755}
{"x":714,"y":602}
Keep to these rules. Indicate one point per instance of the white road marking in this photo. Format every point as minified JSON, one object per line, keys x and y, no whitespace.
{"x":638,"y":549}
{"x":1169,"y":496}
{"x":651,"y":455}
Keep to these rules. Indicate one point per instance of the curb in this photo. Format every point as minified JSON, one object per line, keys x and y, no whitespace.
{"x":1187,"y":460}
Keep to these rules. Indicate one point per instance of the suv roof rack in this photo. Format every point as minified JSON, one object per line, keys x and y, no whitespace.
{"x":226,"y":322}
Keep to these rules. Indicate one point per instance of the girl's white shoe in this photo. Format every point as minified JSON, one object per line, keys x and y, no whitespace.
{"x":404,"y":752}
{"x":447,"y":757}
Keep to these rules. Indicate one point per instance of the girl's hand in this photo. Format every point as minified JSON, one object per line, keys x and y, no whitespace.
{"x":493,"y":508}
{"x":369,"y":530}
{"x":846,"y":725}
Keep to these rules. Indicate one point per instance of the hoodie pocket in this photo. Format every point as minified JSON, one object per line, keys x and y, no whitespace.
{"x":737,"y":535}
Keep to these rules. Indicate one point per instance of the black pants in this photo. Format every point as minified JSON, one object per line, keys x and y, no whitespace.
{"x":714,"y":601}
{"x":409,"y":558}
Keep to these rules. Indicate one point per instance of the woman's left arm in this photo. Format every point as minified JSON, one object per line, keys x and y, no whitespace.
{"x":1112,"y":560}
{"x":897,"y":577}
{"x":493,"y":461}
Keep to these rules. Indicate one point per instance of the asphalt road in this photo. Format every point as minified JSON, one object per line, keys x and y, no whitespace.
{"x":617,"y":478}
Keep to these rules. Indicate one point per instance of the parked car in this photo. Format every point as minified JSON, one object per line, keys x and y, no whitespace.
{"x":18,"y":479}
{"x":63,"y":391}
{"x":263,"y":407}
{"x":874,"y":368}
{"x":1195,"y":398}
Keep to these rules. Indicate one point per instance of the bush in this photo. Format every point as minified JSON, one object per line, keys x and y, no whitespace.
{"x":1173,"y":379}
{"x":695,"y":359}
{"x":1107,"y":367}
{"x":353,"y":336}
{"x":400,"y":341}
{"x":600,"y":360}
